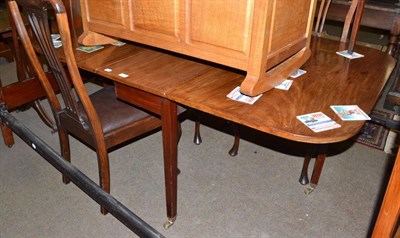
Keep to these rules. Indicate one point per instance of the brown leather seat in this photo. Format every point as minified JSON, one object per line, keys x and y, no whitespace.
{"x":113,"y":113}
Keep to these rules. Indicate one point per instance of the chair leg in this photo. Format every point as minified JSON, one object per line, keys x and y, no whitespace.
{"x":65,"y":150}
{"x":104,"y":173}
{"x":235,"y":147}
{"x":7,"y":135}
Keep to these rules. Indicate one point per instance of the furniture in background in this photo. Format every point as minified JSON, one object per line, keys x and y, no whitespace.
{"x":379,"y":14}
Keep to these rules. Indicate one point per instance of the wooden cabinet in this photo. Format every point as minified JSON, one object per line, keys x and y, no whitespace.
{"x":269,"y":39}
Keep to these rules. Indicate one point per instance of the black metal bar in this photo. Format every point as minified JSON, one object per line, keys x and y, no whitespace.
{"x":113,"y":206}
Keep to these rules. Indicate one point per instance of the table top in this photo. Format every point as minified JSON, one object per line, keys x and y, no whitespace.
{"x":330,"y":80}
{"x":154,"y":71}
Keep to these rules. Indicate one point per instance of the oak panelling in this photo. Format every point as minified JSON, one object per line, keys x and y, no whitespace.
{"x":205,"y":24}
{"x":155,"y":16}
{"x":283,"y":33}
{"x":250,"y":35}
{"x":111,"y":13}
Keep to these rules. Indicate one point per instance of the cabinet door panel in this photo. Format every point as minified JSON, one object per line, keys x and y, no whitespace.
{"x":225,"y":24}
{"x":158,"y":16}
{"x":110,"y":14}
{"x":288,"y":30}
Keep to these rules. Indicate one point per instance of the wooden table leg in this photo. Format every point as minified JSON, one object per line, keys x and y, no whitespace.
{"x":170,"y":147}
{"x":319,"y":163}
{"x":390,"y":209}
{"x":320,"y":151}
{"x":236,"y":134}
{"x":197,"y":136}
{"x":303,"y":180}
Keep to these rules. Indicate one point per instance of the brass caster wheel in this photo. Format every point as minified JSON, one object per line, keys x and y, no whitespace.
{"x":169,"y":222}
{"x":310,"y":189}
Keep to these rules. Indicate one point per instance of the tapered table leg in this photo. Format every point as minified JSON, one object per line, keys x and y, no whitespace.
{"x":319,"y":163}
{"x":170,"y":147}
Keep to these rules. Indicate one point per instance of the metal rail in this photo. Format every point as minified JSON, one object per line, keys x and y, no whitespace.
{"x":113,"y":206}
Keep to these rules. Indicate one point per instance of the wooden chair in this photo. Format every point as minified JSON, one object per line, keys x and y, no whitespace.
{"x":323,"y":11}
{"x":99,"y":120}
{"x":25,"y":73}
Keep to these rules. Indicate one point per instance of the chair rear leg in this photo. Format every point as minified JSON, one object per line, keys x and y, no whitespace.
{"x":104,"y":173}
{"x":7,"y":135}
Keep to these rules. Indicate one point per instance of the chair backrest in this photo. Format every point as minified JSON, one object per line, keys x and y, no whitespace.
{"x":37,"y":15}
{"x":348,"y":20}
{"x":323,"y":11}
